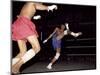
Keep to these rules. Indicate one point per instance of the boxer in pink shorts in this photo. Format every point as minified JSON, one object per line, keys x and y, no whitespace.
{"x":24,"y":29}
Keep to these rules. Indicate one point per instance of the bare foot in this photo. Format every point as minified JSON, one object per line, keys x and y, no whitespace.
{"x":15,"y":70}
{"x":16,"y":67}
{"x":17,"y":58}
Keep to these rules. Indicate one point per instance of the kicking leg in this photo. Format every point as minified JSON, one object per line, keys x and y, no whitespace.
{"x":76,"y":34}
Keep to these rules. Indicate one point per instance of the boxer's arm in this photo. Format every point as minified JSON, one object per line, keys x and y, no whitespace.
{"x":67,"y":31}
{"x":40,"y":6}
{"x":67,"y":26}
{"x":50,"y":36}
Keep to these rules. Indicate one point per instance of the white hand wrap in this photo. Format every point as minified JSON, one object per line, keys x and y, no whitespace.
{"x":57,"y":56}
{"x":28,"y":55}
{"x":52,"y":7}
{"x":37,"y":17}
{"x":67,"y":27}
{"x":65,"y":32}
{"x":45,"y":41}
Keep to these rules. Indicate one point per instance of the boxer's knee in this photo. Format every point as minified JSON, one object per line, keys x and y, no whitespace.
{"x":57,"y":56}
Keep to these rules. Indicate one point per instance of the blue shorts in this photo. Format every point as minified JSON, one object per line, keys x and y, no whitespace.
{"x":56,"y":43}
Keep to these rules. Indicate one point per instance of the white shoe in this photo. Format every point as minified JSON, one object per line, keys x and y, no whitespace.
{"x":49,"y":67}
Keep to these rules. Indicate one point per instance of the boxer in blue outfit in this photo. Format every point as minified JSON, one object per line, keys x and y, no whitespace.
{"x":57,"y":35}
{"x":56,"y":43}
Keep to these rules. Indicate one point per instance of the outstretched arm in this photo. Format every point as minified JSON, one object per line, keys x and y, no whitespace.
{"x":50,"y":36}
{"x":40,"y":6}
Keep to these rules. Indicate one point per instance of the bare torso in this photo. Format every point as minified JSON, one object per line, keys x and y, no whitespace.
{"x":28,"y":10}
{"x":60,"y":33}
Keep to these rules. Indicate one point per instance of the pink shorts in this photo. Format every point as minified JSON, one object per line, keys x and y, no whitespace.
{"x":22,"y":28}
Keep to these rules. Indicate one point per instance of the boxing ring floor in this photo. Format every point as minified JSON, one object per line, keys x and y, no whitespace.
{"x":73,"y":58}
{"x":72,"y":63}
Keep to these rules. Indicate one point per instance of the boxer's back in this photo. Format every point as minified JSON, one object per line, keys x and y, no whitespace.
{"x":28,"y":10}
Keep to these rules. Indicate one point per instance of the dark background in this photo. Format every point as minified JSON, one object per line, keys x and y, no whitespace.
{"x":80,"y":18}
